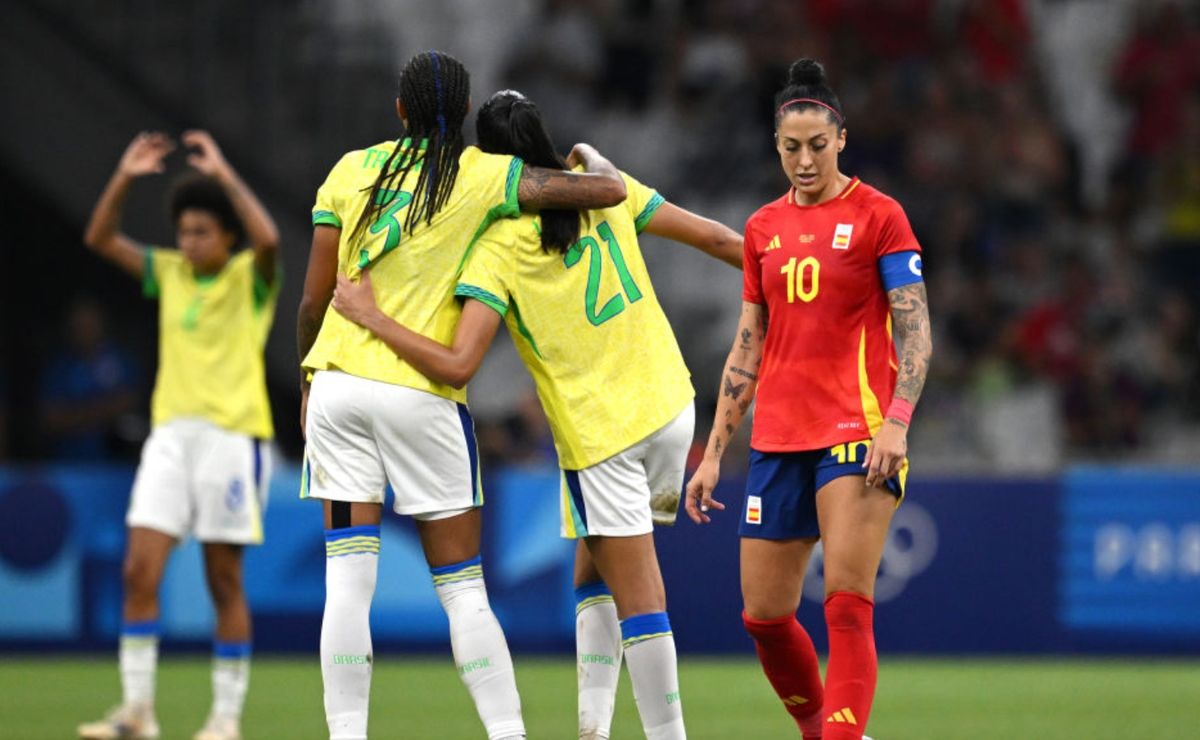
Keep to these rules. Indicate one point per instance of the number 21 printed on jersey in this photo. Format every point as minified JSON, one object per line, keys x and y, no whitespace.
{"x":615,"y":304}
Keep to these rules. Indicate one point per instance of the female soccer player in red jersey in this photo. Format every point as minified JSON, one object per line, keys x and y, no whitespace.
{"x":835,"y":267}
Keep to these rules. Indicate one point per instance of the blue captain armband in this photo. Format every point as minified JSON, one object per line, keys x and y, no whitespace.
{"x":899,"y":269}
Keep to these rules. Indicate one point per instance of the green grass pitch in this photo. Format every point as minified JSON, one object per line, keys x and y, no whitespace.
{"x":952,"y":699}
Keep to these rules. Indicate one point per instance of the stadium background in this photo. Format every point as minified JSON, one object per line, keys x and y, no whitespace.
{"x":1046,"y":151}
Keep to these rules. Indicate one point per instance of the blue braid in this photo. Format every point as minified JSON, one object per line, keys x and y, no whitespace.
{"x":437,"y":84}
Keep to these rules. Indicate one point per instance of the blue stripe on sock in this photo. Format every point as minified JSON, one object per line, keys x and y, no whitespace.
{"x":148,"y":628}
{"x":599,"y":588}
{"x":231,"y":649}
{"x":365,"y":530}
{"x":645,"y":624}
{"x":442,"y":570}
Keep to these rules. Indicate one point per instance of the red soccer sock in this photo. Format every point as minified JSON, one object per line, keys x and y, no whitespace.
{"x":790,"y":662}
{"x":850,"y":674}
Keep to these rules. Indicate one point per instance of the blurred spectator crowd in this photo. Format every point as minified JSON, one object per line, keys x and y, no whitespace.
{"x":1047,"y":153}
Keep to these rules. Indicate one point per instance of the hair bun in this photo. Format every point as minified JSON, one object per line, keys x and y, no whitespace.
{"x":807,"y":73}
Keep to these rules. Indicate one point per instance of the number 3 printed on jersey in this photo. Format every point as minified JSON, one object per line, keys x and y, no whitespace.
{"x":616,"y":304}
{"x":803,"y":278}
{"x":388,"y":219}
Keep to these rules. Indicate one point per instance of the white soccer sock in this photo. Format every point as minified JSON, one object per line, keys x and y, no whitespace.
{"x":480,"y":651}
{"x":230,"y":678}
{"x":650,"y":653}
{"x":351,"y":563}
{"x":598,"y":658}
{"x":138,"y":659}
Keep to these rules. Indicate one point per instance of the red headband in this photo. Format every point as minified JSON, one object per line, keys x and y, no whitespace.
{"x":826,"y":106}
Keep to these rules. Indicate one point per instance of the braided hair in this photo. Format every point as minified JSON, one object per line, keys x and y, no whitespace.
{"x":510,"y":123}
{"x":435,"y":89}
{"x":808,"y":89}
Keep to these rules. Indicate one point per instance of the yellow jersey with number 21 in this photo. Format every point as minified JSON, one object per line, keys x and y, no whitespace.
{"x":588,"y":326}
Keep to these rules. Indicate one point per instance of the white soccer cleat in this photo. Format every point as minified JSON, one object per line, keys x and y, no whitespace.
{"x":219,"y":728}
{"x":126,"y":722}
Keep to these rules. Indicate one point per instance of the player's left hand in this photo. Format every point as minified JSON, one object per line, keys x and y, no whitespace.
{"x":355,"y":301}
{"x":886,"y":453}
{"x":207,"y":156}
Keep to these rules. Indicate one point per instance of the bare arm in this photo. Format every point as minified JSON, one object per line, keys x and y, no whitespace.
{"x":319,"y":283}
{"x":739,"y":381}
{"x":601,"y":186}
{"x":914,"y":339}
{"x":711,"y":237}
{"x":453,"y":365}
{"x":260,"y":227}
{"x":143,"y":156}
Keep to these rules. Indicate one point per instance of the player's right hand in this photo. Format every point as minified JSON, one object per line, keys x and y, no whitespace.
{"x":698,"y":500}
{"x":145,"y":154}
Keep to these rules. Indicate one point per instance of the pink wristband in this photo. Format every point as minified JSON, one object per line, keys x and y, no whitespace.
{"x":900,"y":410}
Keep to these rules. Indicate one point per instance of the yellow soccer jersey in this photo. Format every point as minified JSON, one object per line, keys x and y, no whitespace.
{"x":211,"y":334}
{"x":415,"y":286}
{"x":587,"y":325}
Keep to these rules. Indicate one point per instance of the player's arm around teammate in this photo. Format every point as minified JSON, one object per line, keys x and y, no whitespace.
{"x":601,"y":185}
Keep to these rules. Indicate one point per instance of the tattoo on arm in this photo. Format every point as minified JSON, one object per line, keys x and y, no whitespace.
{"x":910,"y":319}
{"x":734,"y":391}
{"x":743,"y":373}
{"x":540,"y":187}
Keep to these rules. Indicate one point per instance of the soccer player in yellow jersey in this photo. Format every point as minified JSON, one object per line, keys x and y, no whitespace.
{"x":204,"y":468}
{"x":573,"y":289}
{"x":409,"y":211}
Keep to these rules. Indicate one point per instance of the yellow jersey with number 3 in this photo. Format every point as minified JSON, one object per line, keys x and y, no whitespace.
{"x":413,"y":273}
{"x":588,"y":326}
{"x":211,"y":333}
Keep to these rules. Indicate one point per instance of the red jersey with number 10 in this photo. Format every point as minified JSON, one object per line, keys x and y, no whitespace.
{"x":829,"y":364}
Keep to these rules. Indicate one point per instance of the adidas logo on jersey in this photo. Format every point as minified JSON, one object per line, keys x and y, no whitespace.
{"x":773,"y":244}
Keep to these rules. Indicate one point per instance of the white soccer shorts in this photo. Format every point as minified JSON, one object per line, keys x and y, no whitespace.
{"x":196,"y":477}
{"x":364,"y":434}
{"x":633,"y":490}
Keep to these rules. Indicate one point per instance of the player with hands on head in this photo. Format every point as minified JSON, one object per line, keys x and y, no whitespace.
{"x":573,"y":289}
{"x":410,"y":211}
{"x":832,"y":271}
{"x":205,"y":468}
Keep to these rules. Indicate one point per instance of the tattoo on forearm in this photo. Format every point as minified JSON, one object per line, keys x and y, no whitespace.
{"x":544,"y":188}
{"x":910,"y":319}
{"x":743,"y":373}
{"x":734,"y":391}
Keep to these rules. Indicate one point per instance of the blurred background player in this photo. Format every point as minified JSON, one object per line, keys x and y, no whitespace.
{"x":205,"y":467}
{"x":824,"y":264}
{"x":613,"y":384}
{"x":371,"y":419}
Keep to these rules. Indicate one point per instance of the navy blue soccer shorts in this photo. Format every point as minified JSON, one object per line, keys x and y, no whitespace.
{"x":781,"y":489}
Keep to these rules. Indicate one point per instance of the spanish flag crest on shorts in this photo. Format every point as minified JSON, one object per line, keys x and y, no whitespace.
{"x":753,"y":510}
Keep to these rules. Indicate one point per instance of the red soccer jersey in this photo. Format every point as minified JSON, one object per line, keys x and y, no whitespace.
{"x":829,"y":364}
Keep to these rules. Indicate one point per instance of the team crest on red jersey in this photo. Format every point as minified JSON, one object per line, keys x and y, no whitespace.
{"x":841,"y":237}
